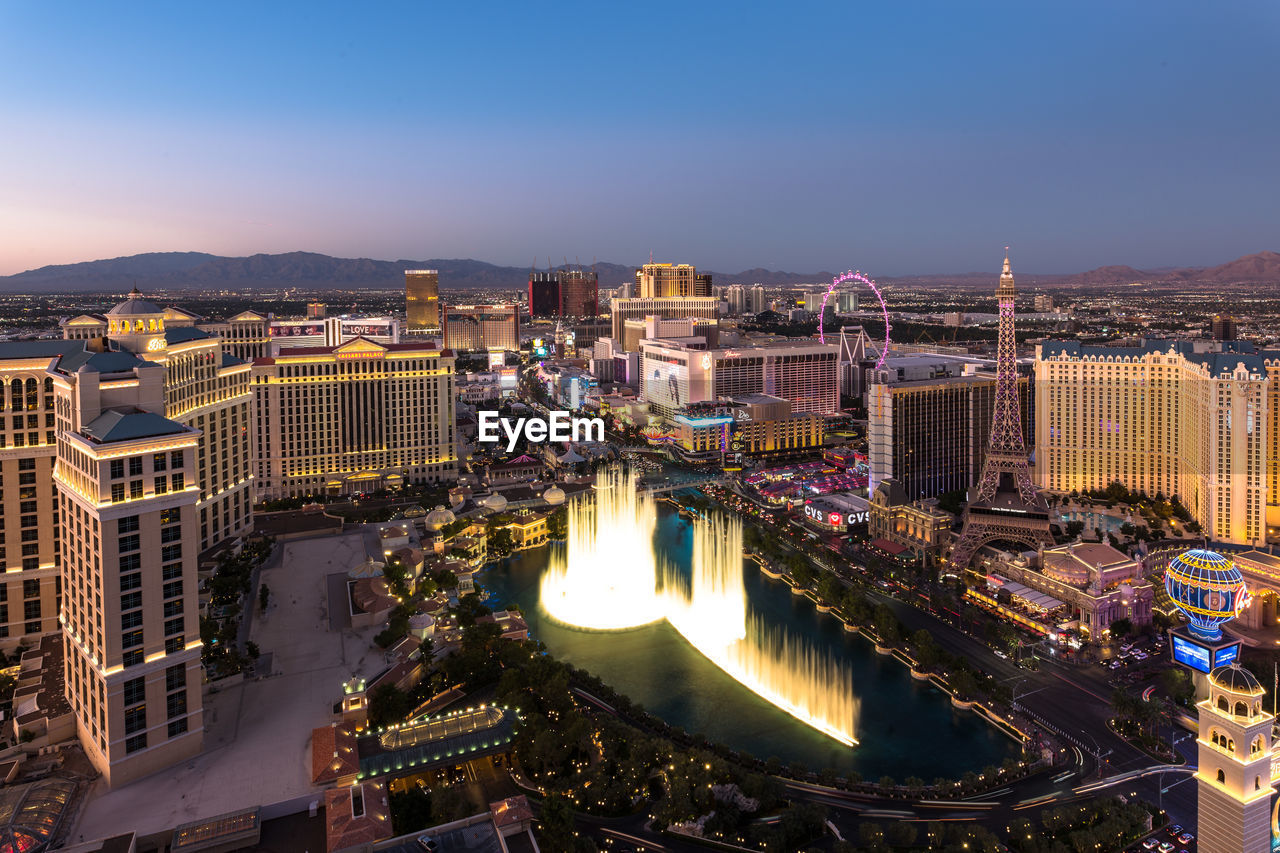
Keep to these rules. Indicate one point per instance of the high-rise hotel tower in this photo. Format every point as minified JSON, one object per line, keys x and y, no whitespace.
{"x":1185,"y":418}
{"x":153,"y":467}
{"x":422,"y":299}
{"x":356,"y":417}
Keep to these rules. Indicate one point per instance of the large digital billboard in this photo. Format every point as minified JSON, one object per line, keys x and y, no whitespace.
{"x":1191,"y":654}
{"x":1226,"y":656}
{"x":370,"y":329}
{"x":295,"y":330}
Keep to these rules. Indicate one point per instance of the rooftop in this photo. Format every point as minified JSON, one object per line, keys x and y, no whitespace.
{"x":118,"y":425}
{"x":182,"y":334}
{"x":356,"y":816}
{"x":134,"y":305}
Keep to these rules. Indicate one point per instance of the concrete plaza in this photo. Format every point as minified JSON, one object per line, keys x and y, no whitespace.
{"x":258,"y":733}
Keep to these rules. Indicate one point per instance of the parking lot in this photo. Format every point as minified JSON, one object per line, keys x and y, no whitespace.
{"x":1168,"y":840}
{"x":1135,"y":661}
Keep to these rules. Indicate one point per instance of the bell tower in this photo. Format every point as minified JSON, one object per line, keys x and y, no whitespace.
{"x":1234,"y":779}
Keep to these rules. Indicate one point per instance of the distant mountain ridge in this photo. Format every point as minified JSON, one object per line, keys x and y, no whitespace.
{"x":310,"y":270}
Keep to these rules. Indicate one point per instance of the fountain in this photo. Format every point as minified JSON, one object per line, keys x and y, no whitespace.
{"x":585,"y":589}
{"x":606,"y":578}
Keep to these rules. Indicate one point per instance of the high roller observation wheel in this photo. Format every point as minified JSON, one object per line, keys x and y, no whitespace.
{"x":854,"y":275}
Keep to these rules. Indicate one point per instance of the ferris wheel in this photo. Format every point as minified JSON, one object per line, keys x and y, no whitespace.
{"x":853,"y":275}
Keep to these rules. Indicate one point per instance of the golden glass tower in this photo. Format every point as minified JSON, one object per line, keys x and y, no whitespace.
{"x":422,"y":298}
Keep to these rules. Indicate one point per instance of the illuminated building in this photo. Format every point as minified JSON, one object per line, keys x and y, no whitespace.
{"x":649,"y":328}
{"x":751,"y":424}
{"x":836,"y":513}
{"x":656,"y":281}
{"x":245,"y":336}
{"x":129,"y":489}
{"x":1234,"y":776}
{"x":422,"y":299}
{"x":672,"y":308}
{"x":1004,"y":503}
{"x":675,"y":373}
{"x":1089,"y":583}
{"x":205,"y":387}
{"x":1223,"y":327}
{"x":475,"y":328}
{"x":564,"y":293}
{"x":1191,"y":419}
{"x":30,"y":551}
{"x":930,"y":434}
{"x":917,"y":525}
{"x":356,"y":417}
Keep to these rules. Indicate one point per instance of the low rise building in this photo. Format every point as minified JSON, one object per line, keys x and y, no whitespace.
{"x":917,"y":525}
{"x":1084,"y":586}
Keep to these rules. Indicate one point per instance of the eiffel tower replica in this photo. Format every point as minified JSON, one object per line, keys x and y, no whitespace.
{"x":1005,"y":504}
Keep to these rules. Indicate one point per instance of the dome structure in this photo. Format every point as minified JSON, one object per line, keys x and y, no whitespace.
{"x":438,"y":518}
{"x":134,"y":306}
{"x":554,"y":496}
{"x":1236,"y":679}
{"x":495,"y":502}
{"x":137,"y":323}
{"x":1066,"y":568}
{"x":1208,"y":588}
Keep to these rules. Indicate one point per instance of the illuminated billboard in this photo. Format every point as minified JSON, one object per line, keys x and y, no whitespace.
{"x":1193,"y":654}
{"x":1226,"y":656}
{"x":295,"y":330}
{"x":368,"y":328}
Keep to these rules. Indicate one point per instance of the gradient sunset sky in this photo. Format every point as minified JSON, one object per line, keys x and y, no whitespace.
{"x":898,"y":138}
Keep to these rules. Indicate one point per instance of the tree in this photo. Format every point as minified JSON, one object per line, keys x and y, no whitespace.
{"x":251,"y":649}
{"x":964,"y":684}
{"x":901,"y":834}
{"x":830,"y":588}
{"x":801,"y":570}
{"x":264,"y":596}
{"x":1121,"y":628}
{"x":388,"y":704}
{"x":1177,"y":683}
{"x":501,"y":543}
{"x":555,"y":824}
{"x":927,"y":650}
{"x":558,"y":523}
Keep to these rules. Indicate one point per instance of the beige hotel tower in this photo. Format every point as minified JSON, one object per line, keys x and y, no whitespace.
{"x":153,"y":467}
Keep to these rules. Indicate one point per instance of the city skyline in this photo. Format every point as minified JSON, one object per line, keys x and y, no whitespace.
{"x":835,"y":137}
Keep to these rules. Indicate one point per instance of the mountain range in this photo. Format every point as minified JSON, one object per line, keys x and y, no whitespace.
{"x":312,"y":271}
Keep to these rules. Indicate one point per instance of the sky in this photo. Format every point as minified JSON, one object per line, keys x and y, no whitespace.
{"x":895,"y":138}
